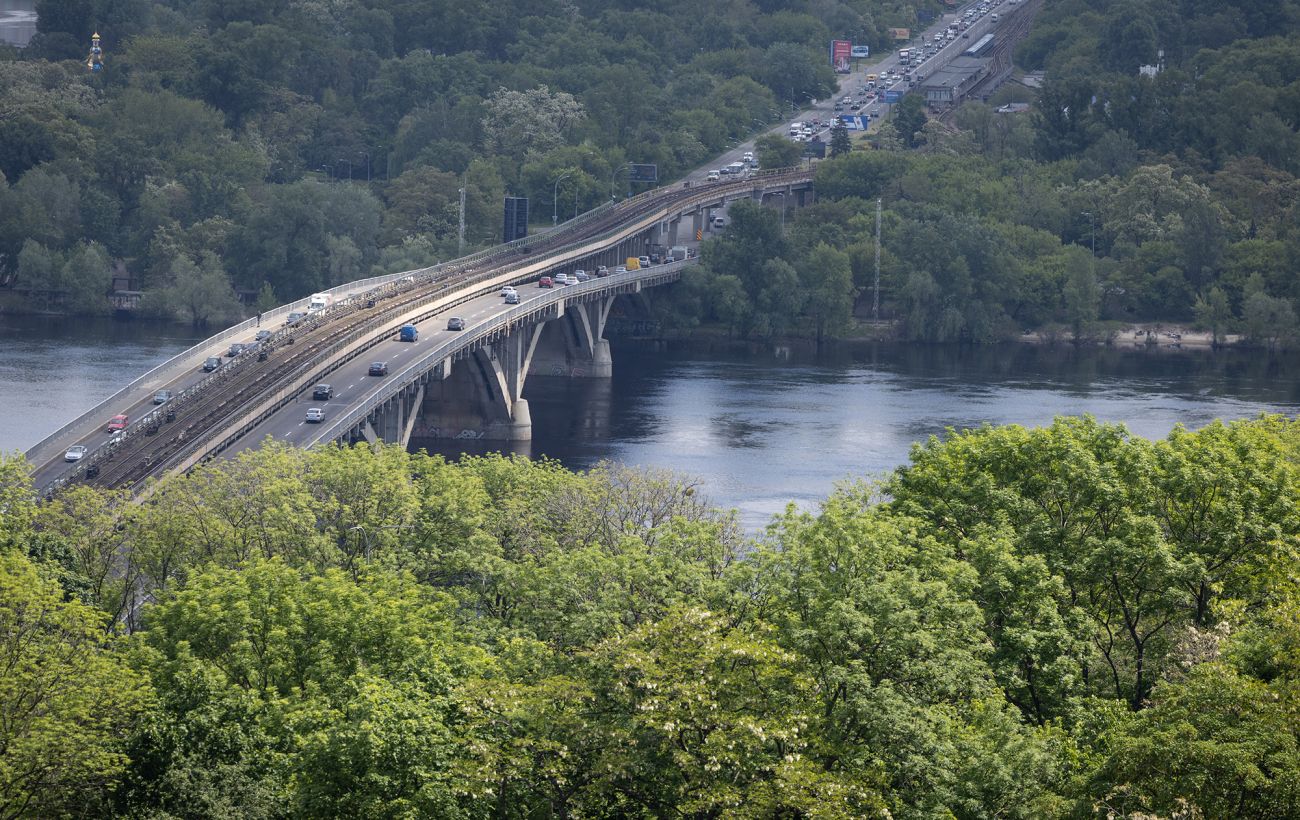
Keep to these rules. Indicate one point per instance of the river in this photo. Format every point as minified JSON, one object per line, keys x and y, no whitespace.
{"x":760,"y":427}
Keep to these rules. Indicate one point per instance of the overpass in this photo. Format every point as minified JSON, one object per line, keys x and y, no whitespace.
{"x":465,"y":383}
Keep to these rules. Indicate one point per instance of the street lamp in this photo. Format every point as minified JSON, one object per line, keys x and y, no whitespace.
{"x":325,"y":169}
{"x":349,"y":164}
{"x":625,"y":166}
{"x":366,"y":154}
{"x":555,"y":194}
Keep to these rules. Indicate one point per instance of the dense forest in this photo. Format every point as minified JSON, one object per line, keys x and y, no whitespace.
{"x":1117,"y":198}
{"x":1060,"y":622}
{"x":274,"y":147}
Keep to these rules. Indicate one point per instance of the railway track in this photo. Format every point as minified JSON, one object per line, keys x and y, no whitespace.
{"x":204,"y":412}
{"x":1014,"y":28}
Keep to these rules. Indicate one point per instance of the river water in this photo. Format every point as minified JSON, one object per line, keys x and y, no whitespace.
{"x":760,"y":427}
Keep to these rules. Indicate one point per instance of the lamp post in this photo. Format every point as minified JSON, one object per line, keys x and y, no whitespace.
{"x":325,"y":169}
{"x":782,"y":195}
{"x":625,"y":166}
{"x":366,"y":154}
{"x":348,"y":162}
{"x":1092,"y":243}
{"x":555,"y":194}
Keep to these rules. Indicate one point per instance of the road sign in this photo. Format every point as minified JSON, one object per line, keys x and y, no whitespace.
{"x":643,"y":172}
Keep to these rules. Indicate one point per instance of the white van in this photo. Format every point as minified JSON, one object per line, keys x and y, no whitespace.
{"x":719,"y":222}
{"x":994,"y":17}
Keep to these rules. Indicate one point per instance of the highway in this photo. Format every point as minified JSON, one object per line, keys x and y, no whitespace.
{"x":352,"y":382}
{"x":849,"y":83}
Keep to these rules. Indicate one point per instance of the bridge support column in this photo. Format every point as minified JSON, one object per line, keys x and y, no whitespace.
{"x":482,"y":395}
{"x":393,"y":422}
{"x":574,"y":344}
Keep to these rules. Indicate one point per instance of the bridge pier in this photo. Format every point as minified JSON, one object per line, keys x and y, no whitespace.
{"x":395,"y":419}
{"x":480,"y":394}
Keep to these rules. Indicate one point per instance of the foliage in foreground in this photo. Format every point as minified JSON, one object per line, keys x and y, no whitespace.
{"x":1059,"y":622}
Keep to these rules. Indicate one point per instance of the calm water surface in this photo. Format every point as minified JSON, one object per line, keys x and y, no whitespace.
{"x":759,"y":429}
{"x":762,"y":430}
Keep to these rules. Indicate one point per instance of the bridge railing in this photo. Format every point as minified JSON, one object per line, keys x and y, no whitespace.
{"x":394,"y":385}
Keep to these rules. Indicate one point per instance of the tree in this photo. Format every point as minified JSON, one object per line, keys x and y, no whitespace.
{"x":200,"y":293}
{"x":840,"y":143}
{"x":827,"y":283}
{"x":1082,"y":296}
{"x":775,"y":151}
{"x":910,"y":118}
{"x":66,"y":699}
{"x":519,"y":122}
{"x":1215,"y":313}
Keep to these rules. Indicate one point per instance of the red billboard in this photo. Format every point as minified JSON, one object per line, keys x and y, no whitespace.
{"x":841,"y":53}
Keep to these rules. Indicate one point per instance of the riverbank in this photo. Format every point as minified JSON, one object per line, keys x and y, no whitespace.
{"x":1161,"y":336}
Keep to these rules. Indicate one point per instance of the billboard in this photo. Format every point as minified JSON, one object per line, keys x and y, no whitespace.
{"x":893,"y":96}
{"x":841,"y":51}
{"x":814,"y":149}
{"x":854,"y":122}
{"x":643,"y":172}
{"x":900,"y":33}
{"x":860,"y":51}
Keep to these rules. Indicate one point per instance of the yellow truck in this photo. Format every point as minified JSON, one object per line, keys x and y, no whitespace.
{"x":633,"y":263}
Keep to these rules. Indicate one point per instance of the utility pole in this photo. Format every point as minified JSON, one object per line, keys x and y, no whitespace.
{"x":875,"y":296}
{"x":461,"y":245}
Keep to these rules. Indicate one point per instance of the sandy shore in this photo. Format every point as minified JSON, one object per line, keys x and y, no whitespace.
{"x":1171,"y":336}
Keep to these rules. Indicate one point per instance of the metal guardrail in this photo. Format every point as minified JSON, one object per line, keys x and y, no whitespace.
{"x":387,"y":285}
{"x":391,"y":387}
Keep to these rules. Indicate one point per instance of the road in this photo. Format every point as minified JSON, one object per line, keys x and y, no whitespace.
{"x":851,"y":83}
{"x":352,"y":383}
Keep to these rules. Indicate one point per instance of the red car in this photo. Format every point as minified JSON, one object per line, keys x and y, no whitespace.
{"x":545,"y":282}
{"x":117,"y":423}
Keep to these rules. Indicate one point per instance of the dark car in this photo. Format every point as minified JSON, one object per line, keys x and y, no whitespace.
{"x":235,"y":349}
{"x":379,"y":368}
{"x":162,"y":397}
{"x":211,"y":363}
{"x":455,"y":323}
{"x":322,"y":392}
{"x":512,"y":298}
{"x":262,"y":335}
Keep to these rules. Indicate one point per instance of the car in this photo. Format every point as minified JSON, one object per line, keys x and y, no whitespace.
{"x":603,"y":270}
{"x":322,"y":392}
{"x":162,"y":397}
{"x":579,"y":275}
{"x":378,"y":368}
{"x":117,"y":423}
{"x":455,"y":323}
{"x":294,"y":318}
{"x":621,"y":269}
{"x":546,"y":282}
{"x":235,"y":349}
{"x":211,"y":363}
{"x":965,"y":35}
{"x":262,"y":336}
{"x":75,"y":452}
{"x":561,"y":278}
{"x":512,"y":298}
{"x":507,"y":290}
{"x":714,"y":176}
{"x":315,"y":415}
